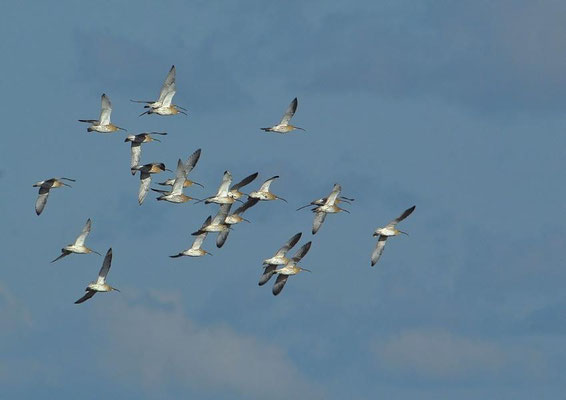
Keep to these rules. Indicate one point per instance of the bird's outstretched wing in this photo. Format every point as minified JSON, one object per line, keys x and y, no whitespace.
{"x":319,"y":217}
{"x":303,"y":250}
{"x":168,"y":84}
{"x":267,"y":274}
{"x":82,"y":237}
{"x":246,"y":181}
{"x":289,"y":112}
{"x":145,"y":181}
{"x":248,"y":204}
{"x":265,"y":186}
{"x":41,"y":199}
{"x":288,"y":245}
{"x":401,"y":217}
{"x":105,"y":266}
{"x":192,"y":161}
{"x":378,"y":249}
{"x":105,"y":110}
{"x":88,"y":295}
{"x":279,"y":284}
{"x":221,"y":238}
{"x":136,"y":155}
{"x":64,"y":253}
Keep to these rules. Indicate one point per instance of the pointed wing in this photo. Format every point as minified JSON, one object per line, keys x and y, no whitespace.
{"x":267,"y":274}
{"x":105,"y":266}
{"x":136,"y":155}
{"x":169,"y":82}
{"x":88,"y":295}
{"x":289,"y":112}
{"x":301,"y":252}
{"x":169,"y":96}
{"x":267,"y":183}
{"x":279,"y":284}
{"x":318,"y":220}
{"x":198,"y":240}
{"x":288,"y":245}
{"x":246,"y":181}
{"x":105,"y":110}
{"x":179,"y":178}
{"x":221,"y":238}
{"x":63,"y":254}
{"x":86,"y":230}
{"x":145,"y":181}
{"x":41,"y":200}
{"x":220,"y":217}
{"x":378,"y":249}
{"x":192,"y":161}
{"x":248,"y":204}
{"x":225,"y":185}
{"x":401,"y":217}
{"x":333,"y":195}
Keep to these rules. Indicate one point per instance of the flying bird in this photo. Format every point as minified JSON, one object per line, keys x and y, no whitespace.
{"x":217,"y":224}
{"x":137,"y":141}
{"x":279,"y":258}
{"x":284,"y":126}
{"x":189,"y":165}
{"x":146,"y":171}
{"x":44,"y":187}
{"x":176,"y":194}
{"x":103,"y":124}
{"x":79,"y":246}
{"x":291,"y":268}
{"x":328,"y":207}
{"x":385,"y":232}
{"x":100,"y":284}
{"x":264,"y":194}
{"x":163,"y":105}
{"x":222,"y":195}
{"x":195,"y":250}
{"x":236,"y":216}
{"x":235,"y":189}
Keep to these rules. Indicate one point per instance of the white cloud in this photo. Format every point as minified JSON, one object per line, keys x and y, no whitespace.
{"x":438,"y":354}
{"x":158,"y":344}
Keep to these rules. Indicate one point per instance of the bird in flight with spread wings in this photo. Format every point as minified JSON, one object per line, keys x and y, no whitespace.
{"x":387,"y":231}
{"x":284,"y":126}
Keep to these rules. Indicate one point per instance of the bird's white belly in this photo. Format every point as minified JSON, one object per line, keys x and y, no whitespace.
{"x":276,"y":261}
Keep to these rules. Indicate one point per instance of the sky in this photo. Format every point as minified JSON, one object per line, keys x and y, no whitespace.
{"x":455,"y":107}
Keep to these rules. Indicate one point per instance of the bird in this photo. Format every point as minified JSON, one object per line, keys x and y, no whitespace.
{"x":385,"y":232}
{"x":321,"y":201}
{"x":284,"y":126}
{"x":270,"y":264}
{"x":79,"y":246}
{"x":163,"y":105}
{"x":234,"y":191}
{"x":103,"y":124}
{"x":145,"y":177}
{"x":236,"y":216}
{"x":44,"y":187}
{"x":328,"y":207}
{"x":217,"y":224}
{"x":176,"y":194}
{"x":195,"y":250}
{"x":137,"y":141}
{"x":264,"y":194}
{"x":291,"y":268}
{"x":222,"y":196}
{"x":189,"y":165}
{"x":100,"y":284}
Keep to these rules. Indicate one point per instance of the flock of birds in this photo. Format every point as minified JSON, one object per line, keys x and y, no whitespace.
{"x":226,"y":195}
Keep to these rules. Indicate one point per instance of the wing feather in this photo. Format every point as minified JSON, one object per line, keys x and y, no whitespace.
{"x":145,"y":181}
{"x":88,"y":295}
{"x":84,"y":233}
{"x":289,"y":112}
{"x":105,"y":111}
{"x":318,"y":220}
{"x":378,"y":249}
{"x":279,"y":284}
{"x":288,"y":245}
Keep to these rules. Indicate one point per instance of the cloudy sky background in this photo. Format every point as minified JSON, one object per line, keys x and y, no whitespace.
{"x":457,"y":108}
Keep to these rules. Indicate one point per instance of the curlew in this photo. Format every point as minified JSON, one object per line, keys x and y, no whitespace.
{"x":100,"y":284}
{"x":137,"y":141}
{"x":163,"y":105}
{"x":284,"y":126}
{"x":44,"y":187}
{"x":264,"y":194}
{"x":195,"y":250}
{"x":279,"y":258}
{"x":189,"y":165}
{"x":385,"y":232}
{"x":217,"y":224}
{"x":328,"y":207}
{"x":291,"y":268}
{"x":146,"y":171}
{"x":103,"y":124}
{"x":79,"y":246}
{"x":176,"y":194}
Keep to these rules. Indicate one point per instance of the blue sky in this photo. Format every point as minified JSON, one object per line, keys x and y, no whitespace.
{"x":456,"y":108}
